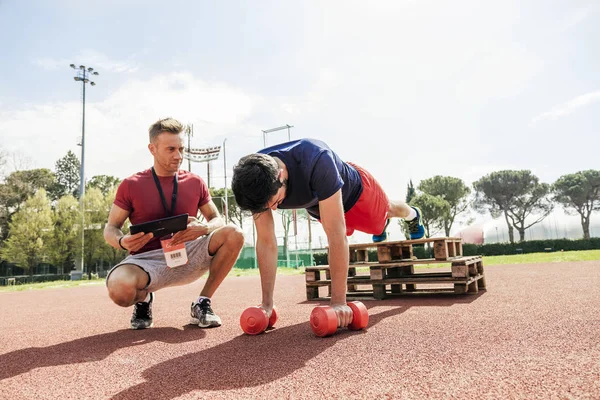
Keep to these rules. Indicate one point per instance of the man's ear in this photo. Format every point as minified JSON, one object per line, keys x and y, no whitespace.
{"x":152,"y":148}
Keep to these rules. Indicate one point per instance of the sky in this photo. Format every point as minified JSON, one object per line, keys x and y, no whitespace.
{"x":407,"y":89}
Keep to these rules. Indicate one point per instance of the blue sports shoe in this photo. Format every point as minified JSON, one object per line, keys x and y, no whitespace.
{"x":382,"y":236}
{"x":415,"y":226}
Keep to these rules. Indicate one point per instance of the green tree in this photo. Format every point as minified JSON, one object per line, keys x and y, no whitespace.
{"x":30,"y":229}
{"x":96,"y":215}
{"x":435,"y":210}
{"x":580,"y":192}
{"x":17,"y":188}
{"x":67,"y":174}
{"x":105,"y":183}
{"x":65,"y":240}
{"x":517,"y":195}
{"x":451,"y":189}
{"x":410,"y":192}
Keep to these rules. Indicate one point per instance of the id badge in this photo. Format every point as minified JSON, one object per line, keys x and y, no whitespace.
{"x":175,"y":256}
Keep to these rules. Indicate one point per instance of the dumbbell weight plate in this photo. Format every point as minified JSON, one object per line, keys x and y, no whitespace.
{"x":273,"y":318}
{"x":323,"y":321}
{"x":360,"y":316}
{"x":254,"y":320}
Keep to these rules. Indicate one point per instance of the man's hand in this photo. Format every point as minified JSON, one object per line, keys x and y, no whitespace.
{"x":137,"y":241}
{"x":194,"y":230}
{"x":343,"y":313}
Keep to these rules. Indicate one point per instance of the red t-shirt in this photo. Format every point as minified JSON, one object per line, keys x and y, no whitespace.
{"x":139,"y":195}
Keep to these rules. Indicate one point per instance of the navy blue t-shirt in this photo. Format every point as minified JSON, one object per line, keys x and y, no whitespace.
{"x":315,"y":173}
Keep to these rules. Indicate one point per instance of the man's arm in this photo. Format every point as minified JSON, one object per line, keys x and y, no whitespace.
{"x":112,"y":231}
{"x":334,"y":224}
{"x":196,"y":228}
{"x":266,"y":254}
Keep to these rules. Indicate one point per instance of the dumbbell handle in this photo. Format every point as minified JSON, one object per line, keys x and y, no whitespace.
{"x":324,"y":320}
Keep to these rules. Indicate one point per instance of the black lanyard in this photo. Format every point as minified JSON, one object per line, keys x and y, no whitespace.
{"x":162,"y":195}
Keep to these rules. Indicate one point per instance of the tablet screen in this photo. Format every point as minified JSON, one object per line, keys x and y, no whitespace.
{"x":162,"y":227}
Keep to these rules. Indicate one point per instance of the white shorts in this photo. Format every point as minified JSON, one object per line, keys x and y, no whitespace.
{"x":161,"y":276}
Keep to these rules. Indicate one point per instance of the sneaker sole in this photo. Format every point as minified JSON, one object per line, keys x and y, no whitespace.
{"x":196,"y":321}
{"x":140,"y":328}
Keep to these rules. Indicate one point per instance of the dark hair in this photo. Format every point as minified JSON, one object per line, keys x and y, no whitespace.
{"x":255,"y":181}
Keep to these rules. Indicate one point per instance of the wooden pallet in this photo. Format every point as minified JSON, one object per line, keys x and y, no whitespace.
{"x":444,"y":248}
{"x":393,"y":272}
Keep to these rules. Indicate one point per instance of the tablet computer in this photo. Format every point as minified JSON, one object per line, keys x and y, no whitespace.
{"x":161,"y":227}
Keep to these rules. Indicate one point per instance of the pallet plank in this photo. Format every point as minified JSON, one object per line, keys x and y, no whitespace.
{"x":393,"y":273}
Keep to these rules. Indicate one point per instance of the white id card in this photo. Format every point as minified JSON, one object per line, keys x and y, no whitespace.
{"x":175,"y":256}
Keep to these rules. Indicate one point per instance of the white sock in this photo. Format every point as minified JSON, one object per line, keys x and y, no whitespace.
{"x":147,"y":299}
{"x":411,"y":215}
{"x":202,"y":297}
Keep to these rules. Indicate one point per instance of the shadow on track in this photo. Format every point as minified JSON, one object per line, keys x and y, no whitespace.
{"x":91,"y":348}
{"x":248,"y":361}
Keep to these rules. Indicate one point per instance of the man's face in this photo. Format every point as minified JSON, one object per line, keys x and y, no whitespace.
{"x":167,"y":149}
{"x":276,"y":200}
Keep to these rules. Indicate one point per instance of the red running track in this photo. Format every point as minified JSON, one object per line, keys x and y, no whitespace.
{"x":535,"y":334}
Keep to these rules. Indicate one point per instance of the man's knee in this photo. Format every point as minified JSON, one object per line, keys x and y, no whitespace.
{"x":237,"y":236}
{"x":234,"y":236}
{"x":122,"y":285}
{"x":230,"y":237}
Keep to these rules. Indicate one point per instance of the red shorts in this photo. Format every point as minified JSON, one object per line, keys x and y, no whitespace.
{"x":370,"y":212}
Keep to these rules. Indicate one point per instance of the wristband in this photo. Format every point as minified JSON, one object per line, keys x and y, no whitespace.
{"x":121,"y":238}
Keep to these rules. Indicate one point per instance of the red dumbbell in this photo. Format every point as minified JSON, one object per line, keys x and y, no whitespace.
{"x":323,"y":319}
{"x":254,"y":320}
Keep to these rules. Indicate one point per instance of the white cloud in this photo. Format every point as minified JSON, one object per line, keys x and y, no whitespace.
{"x":92,"y":58}
{"x":498,"y":73}
{"x":325,"y":84}
{"x":576,"y":17}
{"x":116,"y":128}
{"x":569,"y":107}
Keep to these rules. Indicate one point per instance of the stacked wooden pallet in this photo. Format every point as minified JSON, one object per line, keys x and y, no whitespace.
{"x":393,"y":273}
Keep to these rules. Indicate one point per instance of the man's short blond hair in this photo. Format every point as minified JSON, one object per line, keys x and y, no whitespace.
{"x":170,"y":125}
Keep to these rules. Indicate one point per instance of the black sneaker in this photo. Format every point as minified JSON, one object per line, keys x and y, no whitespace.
{"x":203,"y":315}
{"x":142,"y":314}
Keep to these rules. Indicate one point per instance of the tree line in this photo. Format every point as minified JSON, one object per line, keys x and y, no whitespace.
{"x":518,"y":196}
{"x":41,"y":218}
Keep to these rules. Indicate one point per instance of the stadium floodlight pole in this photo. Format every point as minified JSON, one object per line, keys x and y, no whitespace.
{"x":83,"y":75}
{"x":225,"y":174}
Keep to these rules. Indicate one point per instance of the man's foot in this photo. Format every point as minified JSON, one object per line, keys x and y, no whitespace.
{"x":415,"y":226}
{"x":142,"y":314}
{"x":382,"y":236}
{"x":203,"y":315}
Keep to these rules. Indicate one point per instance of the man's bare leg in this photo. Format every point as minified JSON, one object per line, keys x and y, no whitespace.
{"x":127,"y":285}
{"x":226,"y":244}
{"x":398,"y":209}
